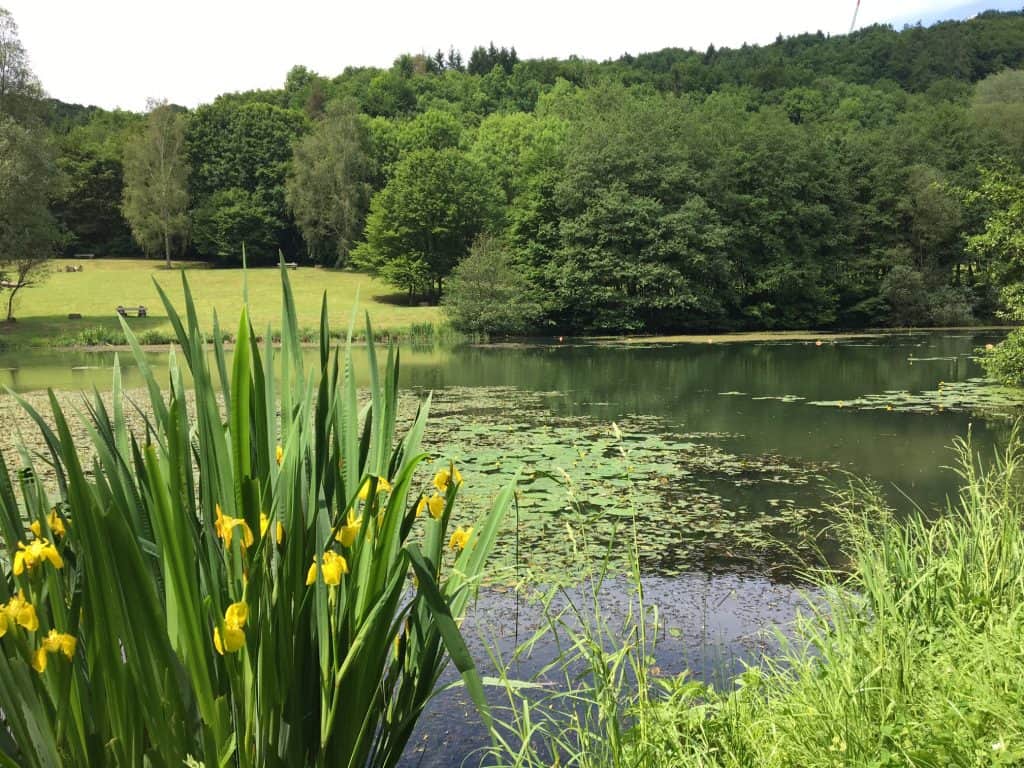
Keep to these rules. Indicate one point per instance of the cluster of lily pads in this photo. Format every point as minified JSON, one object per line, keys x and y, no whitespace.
{"x":584,"y":480}
{"x":976,"y":396}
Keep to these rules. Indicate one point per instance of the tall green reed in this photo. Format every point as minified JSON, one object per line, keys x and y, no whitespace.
{"x":232,"y":588}
{"x":909,"y":655}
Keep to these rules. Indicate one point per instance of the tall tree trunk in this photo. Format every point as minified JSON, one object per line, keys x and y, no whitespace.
{"x":167,"y":248}
{"x":10,"y":304}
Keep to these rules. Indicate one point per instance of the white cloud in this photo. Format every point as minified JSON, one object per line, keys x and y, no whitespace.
{"x":119,"y":52}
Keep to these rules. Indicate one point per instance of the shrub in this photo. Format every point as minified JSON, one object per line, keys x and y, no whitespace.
{"x":487,"y":293}
{"x":950,"y":306}
{"x":235,"y":586}
{"x":1005,"y":361}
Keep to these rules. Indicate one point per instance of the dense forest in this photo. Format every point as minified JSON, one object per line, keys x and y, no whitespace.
{"x":815,"y":182}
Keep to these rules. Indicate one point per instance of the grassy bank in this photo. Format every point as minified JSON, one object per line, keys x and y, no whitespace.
{"x":95,"y":293}
{"x":912,"y":657}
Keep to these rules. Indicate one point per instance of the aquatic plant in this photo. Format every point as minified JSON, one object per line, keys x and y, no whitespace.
{"x":247,"y":582}
{"x":908,"y":656}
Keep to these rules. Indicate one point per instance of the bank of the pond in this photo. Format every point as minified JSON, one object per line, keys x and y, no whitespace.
{"x":792,"y":336}
{"x":911,"y":657}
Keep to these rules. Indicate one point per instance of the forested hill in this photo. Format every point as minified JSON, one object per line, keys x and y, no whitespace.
{"x":915,"y":58}
{"x":816,"y":181}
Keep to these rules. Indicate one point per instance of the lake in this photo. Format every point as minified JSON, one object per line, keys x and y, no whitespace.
{"x":754,"y":413}
{"x":723,"y":456}
{"x":722,"y":447}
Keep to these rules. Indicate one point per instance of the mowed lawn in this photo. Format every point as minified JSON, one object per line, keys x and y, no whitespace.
{"x":95,"y":293}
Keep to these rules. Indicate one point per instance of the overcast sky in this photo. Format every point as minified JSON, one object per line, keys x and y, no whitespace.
{"x":116,"y":53}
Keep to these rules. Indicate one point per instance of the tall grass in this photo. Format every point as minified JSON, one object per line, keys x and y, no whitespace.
{"x":912,"y":655}
{"x":248,"y":583}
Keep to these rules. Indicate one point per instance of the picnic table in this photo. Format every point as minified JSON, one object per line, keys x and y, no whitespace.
{"x":139,"y":311}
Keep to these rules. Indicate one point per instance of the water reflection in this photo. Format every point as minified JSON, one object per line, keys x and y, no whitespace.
{"x":683,"y":385}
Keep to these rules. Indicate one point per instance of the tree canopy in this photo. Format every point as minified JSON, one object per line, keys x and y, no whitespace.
{"x":156,"y":174}
{"x":813,"y":182}
{"x":28,"y":230}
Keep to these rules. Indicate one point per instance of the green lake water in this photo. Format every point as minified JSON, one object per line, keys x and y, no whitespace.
{"x":723,"y":449}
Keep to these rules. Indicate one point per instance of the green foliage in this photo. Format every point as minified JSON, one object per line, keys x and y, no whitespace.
{"x":89,"y":207}
{"x":389,"y":94}
{"x":433,"y":129}
{"x":434,"y":205}
{"x":156,"y":178}
{"x":28,"y":231}
{"x":20,"y":90}
{"x":328,"y":188}
{"x":776,"y":186}
{"x":997,"y":110}
{"x":489,"y":294}
{"x":232,"y":218}
{"x":909,"y":656}
{"x":1001,"y":244}
{"x":1005,"y":361}
{"x":409,"y":273}
{"x":518,"y":148}
{"x":246,"y":146}
{"x":251,"y":585}
{"x":482,"y":61}
{"x":913,"y":302}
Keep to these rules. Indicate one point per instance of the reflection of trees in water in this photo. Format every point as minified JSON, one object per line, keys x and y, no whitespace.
{"x":682,"y":383}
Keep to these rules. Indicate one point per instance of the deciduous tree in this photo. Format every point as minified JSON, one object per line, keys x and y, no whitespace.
{"x":28,"y":231}
{"x":19,"y":88}
{"x":156,"y":182}
{"x":328,"y":188}
{"x":489,"y":293}
{"x":431,"y":210}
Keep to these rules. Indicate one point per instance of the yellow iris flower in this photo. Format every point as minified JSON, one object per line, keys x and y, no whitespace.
{"x":349,"y":531}
{"x":383,"y":486}
{"x":446,"y":477}
{"x":460,"y":537}
{"x":225,"y":525}
{"x":58,"y":642}
{"x":32,"y":554}
{"x":234,"y":629}
{"x":54,"y":642}
{"x":334,"y":565}
{"x":18,"y":611}
{"x":279,"y":455}
{"x":52,"y":520}
{"x":434,"y":505}
{"x":265,"y":524}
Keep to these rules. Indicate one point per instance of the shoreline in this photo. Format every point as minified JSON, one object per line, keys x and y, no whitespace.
{"x":716,"y":337}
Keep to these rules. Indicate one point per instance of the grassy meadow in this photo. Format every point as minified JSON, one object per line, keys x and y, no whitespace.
{"x":42,"y":311}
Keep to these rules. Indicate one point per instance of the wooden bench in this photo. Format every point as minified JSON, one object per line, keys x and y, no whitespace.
{"x":139,"y":311}
{"x":292,"y":264}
